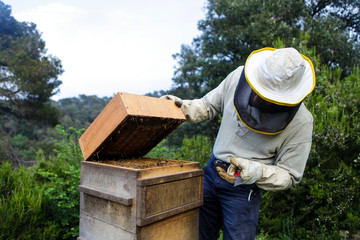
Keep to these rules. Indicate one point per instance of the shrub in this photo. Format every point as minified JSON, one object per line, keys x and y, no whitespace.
{"x":194,"y":149}
{"x":327,"y":200}
{"x":197,"y":149}
{"x":164,"y":151}
{"x":63,"y":200}
{"x":22,"y":206}
{"x":42,"y":202}
{"x":60,"y":178}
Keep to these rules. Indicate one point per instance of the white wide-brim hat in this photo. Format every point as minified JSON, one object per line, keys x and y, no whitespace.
{"x":281,"y":76}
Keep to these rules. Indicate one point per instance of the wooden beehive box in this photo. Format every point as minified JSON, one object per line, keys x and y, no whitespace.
{"x":129,"y":126}
{"x":155,"y":198}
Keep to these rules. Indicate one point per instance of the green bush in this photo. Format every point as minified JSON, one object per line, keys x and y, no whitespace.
{"x":24,"y":147}
{"x":194,"y":149}
{"x":164,"y":151}
{"x":197,"y":149}
{"x":60,"y":178}
{"x":22,"y":206}
{"x":327,"y":201}
{"x":42,"y":202}
{"x":63,"y":200}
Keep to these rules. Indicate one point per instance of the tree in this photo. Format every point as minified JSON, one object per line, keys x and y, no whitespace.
{"x":346,"y":11}
{"x":232,"y":29}
{"x":28,"y":77}
{"x":80,"y":112}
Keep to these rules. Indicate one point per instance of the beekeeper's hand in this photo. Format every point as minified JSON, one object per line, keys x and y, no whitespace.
{"x":251,"y":171}
{"x":268,"y":177}
{"x":178,"y":101}
{"x":194,"y":110}
{"x":228,"y":177}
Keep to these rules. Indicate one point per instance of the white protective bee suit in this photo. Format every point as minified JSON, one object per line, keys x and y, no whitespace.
{"x":270,"y":148}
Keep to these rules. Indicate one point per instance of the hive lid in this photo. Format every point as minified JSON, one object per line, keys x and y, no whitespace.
{"x":129,"y":126}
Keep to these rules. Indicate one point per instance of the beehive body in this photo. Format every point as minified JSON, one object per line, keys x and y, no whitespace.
{"x":123,"y":203}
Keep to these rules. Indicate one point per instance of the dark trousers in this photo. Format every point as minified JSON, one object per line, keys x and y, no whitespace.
{"x":234,"y":209}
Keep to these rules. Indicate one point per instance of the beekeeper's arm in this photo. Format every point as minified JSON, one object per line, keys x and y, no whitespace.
{"x":194,"y":110}
{"x":210,"y":105}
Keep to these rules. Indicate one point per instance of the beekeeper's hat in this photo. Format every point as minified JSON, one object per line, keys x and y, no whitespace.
{"x":281,"y":76}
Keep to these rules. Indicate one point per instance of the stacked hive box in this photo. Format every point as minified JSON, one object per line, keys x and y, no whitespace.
{"x":142,"y":202}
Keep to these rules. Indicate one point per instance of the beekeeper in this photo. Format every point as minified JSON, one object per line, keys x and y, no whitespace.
{"x":263,"y":142}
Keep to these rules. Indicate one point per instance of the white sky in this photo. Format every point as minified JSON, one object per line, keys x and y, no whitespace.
{"x":112,"y":46}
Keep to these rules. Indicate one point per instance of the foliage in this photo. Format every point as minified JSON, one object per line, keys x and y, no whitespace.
{"x":346,"y":11}
{"x":26,"y":150}
{"x":197,"y":149}
{"x":232,"y":29}
{"x":67,"y":148}
{"x":163,"y":151}
{"x":63,"y":197}
{"x":22,"y":206}
{"x":42,"y":202}
{"x":79,"y":112}
{"x":28,"y":76}
{"x":327,"y":199}
{"x":26,"y":138}
{"x":208,"y":128}
{"x":7,"y":153}
{"x":60,"y":177}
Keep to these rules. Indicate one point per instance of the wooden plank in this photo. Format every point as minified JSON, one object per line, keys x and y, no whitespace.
{"x":95,"y":229}
{"x":169,"y":213}
{"x":169,"y":170}
{"x":137,"y":105}
{"x":169,"y":178}
{"x":109,"y":178}
{"x":167,"y":196}
{"x":126,"y":201}
{"x":160,"y":201}
{"x":179,"y":227}
{"x":115,"y":214}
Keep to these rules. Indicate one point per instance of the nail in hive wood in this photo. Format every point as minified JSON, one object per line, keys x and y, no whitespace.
{"x":121,"y":202}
